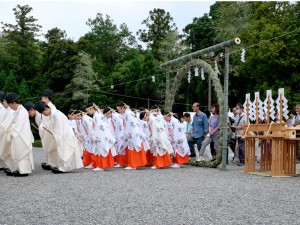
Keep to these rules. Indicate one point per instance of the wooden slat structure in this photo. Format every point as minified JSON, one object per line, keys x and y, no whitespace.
{"x":278,"y":149}
{"x":278,"y":144}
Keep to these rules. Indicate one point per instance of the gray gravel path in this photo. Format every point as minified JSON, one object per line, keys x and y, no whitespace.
{"x":189,"y":195}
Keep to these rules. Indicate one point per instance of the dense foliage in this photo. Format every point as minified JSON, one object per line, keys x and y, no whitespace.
{"x":108,"y":64}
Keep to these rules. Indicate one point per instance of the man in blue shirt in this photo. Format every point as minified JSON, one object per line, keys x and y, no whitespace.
{"x":200,"y":129}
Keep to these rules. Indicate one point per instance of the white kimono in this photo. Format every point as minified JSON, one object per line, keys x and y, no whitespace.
{"x":47,"y":139}
{"x":2,"y":115}
{"x":2,"y":112}
{"x":21,"y":139}
{"x":77,"y":134}
{"x":84,"y":131}
{"x":133,"y":135}
{"x":67,"y":149}
{"x":103,"y":139}
{"x":119,"y":132}
{"x":177,"y":137}
{"x":5,"y":145}
{"x":160,"y":143}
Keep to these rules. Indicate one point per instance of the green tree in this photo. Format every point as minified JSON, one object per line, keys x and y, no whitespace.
{"x":106,"y":42}
{"x":24,"y":92}
{"x":2,"y":79}
{"x":83,"y":83}
{"x":10,"y":84}
{"x":146,"y":87}
{"x":272,"y":60}
{"x":172,"y":47}
{"x":21,"y":45}
{"x":60,"y":59}
{"x":158,"y":25}
{"x":200,"y":33}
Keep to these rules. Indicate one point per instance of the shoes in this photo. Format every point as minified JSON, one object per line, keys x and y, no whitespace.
{"x":153,"y":168}
{"x":241,"y":164}
{"x":118,"y":166}
{"x":98,"y":169}
{"x":129,"y":168}
{"x":18,"y":174}
{"x":200,"y":159}
{"x":45,"y":166}
{"x":2,"y":168}
{"x":175,"y":166}
{"x":89,"y":167}
{"x":8,"y":172}
{"x":55,"y":170}
{"x":214,"y":159}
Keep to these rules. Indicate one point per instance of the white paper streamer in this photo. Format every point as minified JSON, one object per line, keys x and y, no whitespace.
{"x":251,"y":114}
{"x":243,"y":55}
{"x":284,"y":104}
{"x":260,"y":106}
{"x":202,"y":73}
{"x":272,"y":111}
{"x":153,"y":78}
{"x":189,"y":76}
{"x":196,"y":71}
{"x":216,"y":68}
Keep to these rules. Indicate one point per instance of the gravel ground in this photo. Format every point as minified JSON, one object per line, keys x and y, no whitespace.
{"x":189,"y":195}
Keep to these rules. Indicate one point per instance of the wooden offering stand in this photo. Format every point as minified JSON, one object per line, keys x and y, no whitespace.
{"x":278,"y":147}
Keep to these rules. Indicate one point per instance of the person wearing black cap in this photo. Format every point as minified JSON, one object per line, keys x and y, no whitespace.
{"x":47,"y":97}
{"x":20,"y":161}
{"x":67,"y":149}
{"x":48,"y":142}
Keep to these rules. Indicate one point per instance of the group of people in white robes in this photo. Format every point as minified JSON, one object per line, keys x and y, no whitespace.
{"x":93,"y":137}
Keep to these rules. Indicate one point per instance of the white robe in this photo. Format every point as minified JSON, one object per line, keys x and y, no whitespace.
{"x":47,"y":139}
{"x":177,"y":137}
{"x":5,"y":145}
{"x":2,"y":112}
{"x":21,"y":139}
{"x":85,"y":132}
{"x":103,"y":139}
{"x":119,"y":132}
{"x":77,"y":134}
{"x":160,"y":143}
{"x":67,"y":149}
{"x":2,"y":115}
{"x":133,"y":134}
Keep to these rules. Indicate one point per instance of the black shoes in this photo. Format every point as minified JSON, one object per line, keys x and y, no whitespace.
{"x":55,"y":170}
{"x":45,"y":166}
{"x":15,"y":173}
{"x":8,"y":172}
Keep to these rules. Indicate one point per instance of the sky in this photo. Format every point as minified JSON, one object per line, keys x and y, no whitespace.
{"x":72,"y":16}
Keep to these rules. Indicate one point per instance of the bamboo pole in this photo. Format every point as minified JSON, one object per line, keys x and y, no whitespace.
{"x":217,"y":47}
{"x":225,"y":111}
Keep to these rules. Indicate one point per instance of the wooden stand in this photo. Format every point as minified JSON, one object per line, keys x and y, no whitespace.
{"x":278,"y":149}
